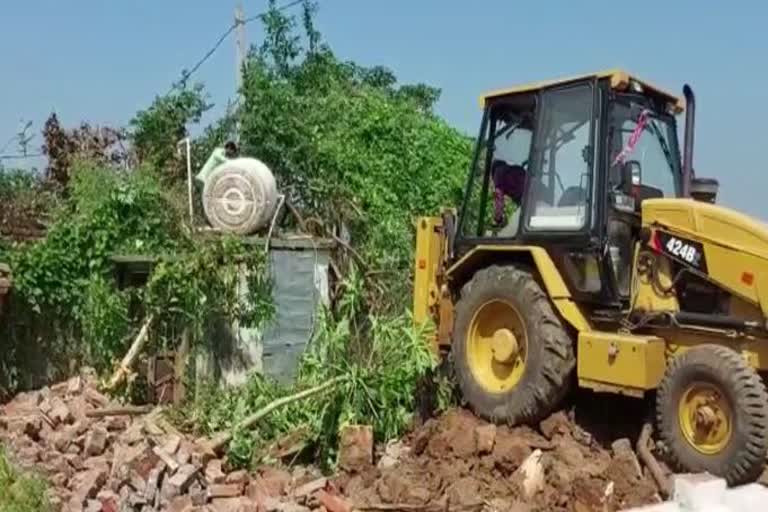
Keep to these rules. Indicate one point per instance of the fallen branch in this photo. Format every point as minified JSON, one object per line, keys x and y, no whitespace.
{"x":645,"y":455}
{"x":130,"y":357}
{"x":128,"y":410}
{"x":221,"y":439}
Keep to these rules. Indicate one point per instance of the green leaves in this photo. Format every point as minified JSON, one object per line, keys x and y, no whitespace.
{"x":20,"y":492}
{"x":157,"y":130}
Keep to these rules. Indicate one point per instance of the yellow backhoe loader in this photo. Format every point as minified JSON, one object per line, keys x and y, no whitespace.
{"x":587,"y":252}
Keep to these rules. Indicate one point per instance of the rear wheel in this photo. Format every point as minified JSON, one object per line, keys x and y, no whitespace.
{"x":712,"y":411}
{"x":512,"y":356}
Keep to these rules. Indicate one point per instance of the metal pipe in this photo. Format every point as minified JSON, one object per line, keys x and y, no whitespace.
{"x":647,"y":458}
{"x":722,"y":321}
{"x":690,"y":119}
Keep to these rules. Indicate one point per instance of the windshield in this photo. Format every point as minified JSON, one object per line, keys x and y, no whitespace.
{"x":650,"y":140}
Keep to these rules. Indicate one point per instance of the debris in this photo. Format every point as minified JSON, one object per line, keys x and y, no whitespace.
{"x":533,"y":474}
{"x":127,"y":410}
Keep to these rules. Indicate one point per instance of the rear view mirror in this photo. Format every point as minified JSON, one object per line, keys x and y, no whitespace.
{"x":704,"y":189}
{"x":631,"y":176}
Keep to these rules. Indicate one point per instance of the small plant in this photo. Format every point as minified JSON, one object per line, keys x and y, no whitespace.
{"x":20,"y":492}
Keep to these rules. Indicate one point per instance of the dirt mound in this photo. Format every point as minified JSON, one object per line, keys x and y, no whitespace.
{"x":461,"y":462}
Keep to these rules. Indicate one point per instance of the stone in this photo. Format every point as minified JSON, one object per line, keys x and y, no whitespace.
{"x":214,"y":473}
{"x":556,"y":424}
{"x":485,"y":439}
{"x":333,"y":503}
{"x":310,"y":487}
{"x":698,"y":491}
{"x":224,"y":490}
{"x":532,"y":472}
{"x":60,"y":441}
{"x":356,"y":448}
{"x":95,"y":441}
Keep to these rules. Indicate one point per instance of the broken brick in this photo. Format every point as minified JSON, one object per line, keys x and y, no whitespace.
{"x":213,"y":472}
{"x":59,"y":412}
{"x":182,"y":479}
{"x":356,"y":448}
{"x":166,"y":458}
{"x":95,"y":441}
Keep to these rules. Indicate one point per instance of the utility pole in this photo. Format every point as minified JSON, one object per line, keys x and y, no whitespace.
{"x":239,"y":60}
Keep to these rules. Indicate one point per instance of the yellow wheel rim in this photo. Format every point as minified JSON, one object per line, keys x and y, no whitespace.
{"x":705,"y":418}
{"x":497,"y":346}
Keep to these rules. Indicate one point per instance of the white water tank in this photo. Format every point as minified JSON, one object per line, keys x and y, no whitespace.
{"x":240,"y":196}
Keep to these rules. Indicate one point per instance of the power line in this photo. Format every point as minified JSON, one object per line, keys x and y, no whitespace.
{"x":186,"y":75}
{"x":21,"y":157}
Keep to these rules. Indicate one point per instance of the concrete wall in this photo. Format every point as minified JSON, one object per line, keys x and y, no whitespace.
{"x":300,"y":277}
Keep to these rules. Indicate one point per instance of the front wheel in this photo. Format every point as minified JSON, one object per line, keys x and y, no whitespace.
{"x":513,"y":358}
{"x":712,"y":411}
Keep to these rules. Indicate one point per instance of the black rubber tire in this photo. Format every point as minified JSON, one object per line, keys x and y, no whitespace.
{"x":550,"y":358}
{"x":743,"y":459}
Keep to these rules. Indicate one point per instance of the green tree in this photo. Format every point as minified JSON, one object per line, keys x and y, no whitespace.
{"x":353,"y":148}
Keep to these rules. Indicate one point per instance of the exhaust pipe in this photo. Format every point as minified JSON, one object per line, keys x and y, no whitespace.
{"x":690,"y":118}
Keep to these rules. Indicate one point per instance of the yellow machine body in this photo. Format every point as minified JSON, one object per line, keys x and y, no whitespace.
{"x":736,"y":250}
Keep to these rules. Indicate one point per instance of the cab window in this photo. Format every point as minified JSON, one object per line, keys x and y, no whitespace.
{"x":559,"y":194}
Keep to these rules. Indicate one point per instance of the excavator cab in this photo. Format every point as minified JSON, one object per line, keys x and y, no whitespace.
{"x":587,"y":252}
{"x":591,"y":150}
